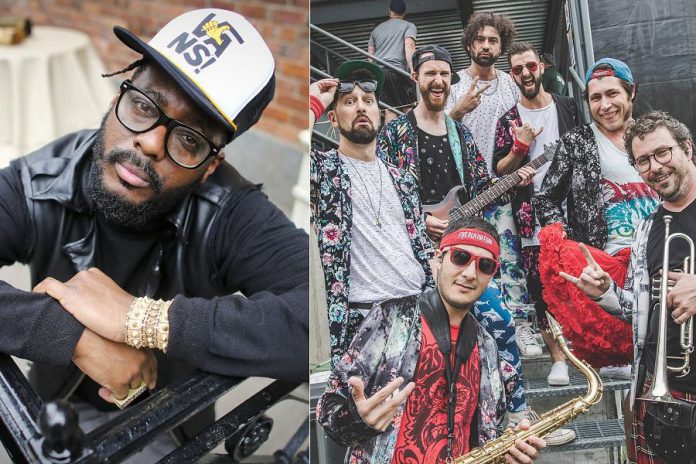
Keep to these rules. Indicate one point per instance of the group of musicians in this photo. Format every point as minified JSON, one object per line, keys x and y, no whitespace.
{"x":421,"y":305}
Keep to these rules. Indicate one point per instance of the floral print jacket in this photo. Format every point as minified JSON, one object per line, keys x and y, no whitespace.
{"x":575,"y":175}
{"x":386,"y":347}
{"x":331,"y":218}
{"x":398,"y":142}
{"x":522,"y":210}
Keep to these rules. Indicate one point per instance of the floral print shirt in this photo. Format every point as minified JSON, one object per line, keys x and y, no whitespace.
{"x":522,"y":210}
{"x":386,"y":347}
{"x":331,"y":218}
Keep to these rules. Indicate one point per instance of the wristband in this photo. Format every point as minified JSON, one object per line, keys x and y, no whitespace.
{"x":316,"y":106}
{"x":519,"y":148}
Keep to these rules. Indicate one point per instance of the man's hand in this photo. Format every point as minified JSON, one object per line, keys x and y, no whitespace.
{"x":525,"y":133}
{"x":435,"y":227}
{"x":526,"y":175}
{"x":325,"y":90}
{"x":682,"y":298}
{"x":470,"y":100}
{"x":593,"y":281}
{"x":94,"y":299}
{"x":114,"y":366}
{"x":379,"y":410}
{"x":525,"y":451}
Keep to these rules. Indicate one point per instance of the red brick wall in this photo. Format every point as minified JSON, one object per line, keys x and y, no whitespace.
{"x":282,"y":23}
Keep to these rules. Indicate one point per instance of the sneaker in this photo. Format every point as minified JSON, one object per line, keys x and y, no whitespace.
{"x":526,"y":341}
{"x":559,"y":374}
{"x":617,"y":372}
{"x":555,"y":438}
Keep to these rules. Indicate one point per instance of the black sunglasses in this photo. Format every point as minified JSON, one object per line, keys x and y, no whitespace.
{"x":462,"y":258}
{"x":366,"y":84}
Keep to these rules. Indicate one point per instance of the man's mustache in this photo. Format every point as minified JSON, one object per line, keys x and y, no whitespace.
{"x":126,"y":156}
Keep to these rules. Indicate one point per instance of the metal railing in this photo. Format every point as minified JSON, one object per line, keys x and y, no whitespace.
{"x":38,"y":433}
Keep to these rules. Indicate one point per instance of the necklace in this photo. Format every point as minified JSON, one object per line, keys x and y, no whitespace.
{"x":376,"y":212}
{"x":488,"y":92}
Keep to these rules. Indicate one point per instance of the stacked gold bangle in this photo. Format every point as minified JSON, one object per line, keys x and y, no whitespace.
{"x":147,"y":324}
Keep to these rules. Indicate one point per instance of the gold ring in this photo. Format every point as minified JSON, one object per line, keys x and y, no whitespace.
{"x":133,"y":393}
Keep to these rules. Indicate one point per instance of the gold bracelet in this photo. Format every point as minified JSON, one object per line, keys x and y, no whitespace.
{"x":147,"y":324}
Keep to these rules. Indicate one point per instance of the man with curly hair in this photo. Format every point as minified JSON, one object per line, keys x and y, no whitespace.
{"x":661,"y":150}
{"x":481,"y":97}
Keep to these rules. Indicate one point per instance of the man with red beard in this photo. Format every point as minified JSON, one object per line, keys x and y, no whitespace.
{"x":452,"y":398}
{"x":366,"y":213}
{"x":442,"y":154}
{"x":522,"y":134}
{"x":606,"y":200}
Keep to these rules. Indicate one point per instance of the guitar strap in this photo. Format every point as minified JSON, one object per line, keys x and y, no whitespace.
{"x":456,"y":146}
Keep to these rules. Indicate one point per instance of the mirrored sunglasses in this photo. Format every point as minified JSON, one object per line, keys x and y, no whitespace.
{"x":366,"y":85}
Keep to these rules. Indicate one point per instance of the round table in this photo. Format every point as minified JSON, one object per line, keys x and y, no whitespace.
{"x":51,"y":86}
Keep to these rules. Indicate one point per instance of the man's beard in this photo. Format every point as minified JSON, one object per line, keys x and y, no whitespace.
{"x":117,"y":209}
{"x":530,"y":94}
{"x":425,"y":95}
{"x":361,"y":135}
{"x":484,"y":61}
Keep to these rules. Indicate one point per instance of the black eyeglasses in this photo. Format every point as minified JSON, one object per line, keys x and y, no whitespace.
{"x":366,"y":84}
{"x":462,"y":258}
{"x":662,"y":155}
{"x":183,"y":144}
{"x":532,"y":66}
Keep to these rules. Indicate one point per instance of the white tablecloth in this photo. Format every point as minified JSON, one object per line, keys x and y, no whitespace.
{"x":50,"y":85}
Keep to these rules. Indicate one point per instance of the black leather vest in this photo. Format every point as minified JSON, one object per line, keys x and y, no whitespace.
{"x":64,"y":241}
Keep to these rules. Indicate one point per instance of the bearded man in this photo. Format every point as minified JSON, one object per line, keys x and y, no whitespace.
{"x":144,"y":216}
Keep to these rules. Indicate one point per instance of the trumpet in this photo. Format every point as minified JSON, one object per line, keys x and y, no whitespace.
{"x":659,"y":388}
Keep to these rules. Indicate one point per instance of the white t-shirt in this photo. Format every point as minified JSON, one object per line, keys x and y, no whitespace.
{"x":495,"y":101}
{"x":627,"y":198}
{"x":546,"y":117}
{"x":382,"y":264}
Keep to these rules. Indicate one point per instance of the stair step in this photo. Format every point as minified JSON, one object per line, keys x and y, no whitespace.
{"x":538,"y":388}
{"x":593,"y":434}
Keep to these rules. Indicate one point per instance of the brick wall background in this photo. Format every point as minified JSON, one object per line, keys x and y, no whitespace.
{"x":283,"y":24}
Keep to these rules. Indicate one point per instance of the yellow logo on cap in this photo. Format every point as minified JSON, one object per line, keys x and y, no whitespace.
{"x":213,"y":31}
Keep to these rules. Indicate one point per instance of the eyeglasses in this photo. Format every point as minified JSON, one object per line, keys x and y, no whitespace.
{"x":532,"y":66}
{"x":366,"y":84}
{"x":662,"y":155}
{"x":462,"y":258}
{"x":183,"y":144}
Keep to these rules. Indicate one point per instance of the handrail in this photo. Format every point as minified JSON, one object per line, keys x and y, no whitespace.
{"x":33,"y":434}
{"x":314,"y":43}
{"x":359,"y":50}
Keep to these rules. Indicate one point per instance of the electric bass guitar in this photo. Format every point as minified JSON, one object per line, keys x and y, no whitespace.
{"x":450,"y":205}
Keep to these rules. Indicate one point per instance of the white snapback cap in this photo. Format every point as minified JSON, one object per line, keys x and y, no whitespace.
{"x":218,"y":59}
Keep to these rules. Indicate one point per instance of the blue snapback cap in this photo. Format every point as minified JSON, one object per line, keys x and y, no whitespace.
{"x":618,"y":69}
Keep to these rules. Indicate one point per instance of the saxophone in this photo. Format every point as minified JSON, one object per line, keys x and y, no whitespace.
{"x":494,"y":451}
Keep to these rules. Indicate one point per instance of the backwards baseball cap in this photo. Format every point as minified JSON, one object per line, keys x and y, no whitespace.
{"x":398,"y":6}
{"x":347,"y":68}
{"x":433,"y":52}
{"x":218,"y":59}
{"x":618,"y":69}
